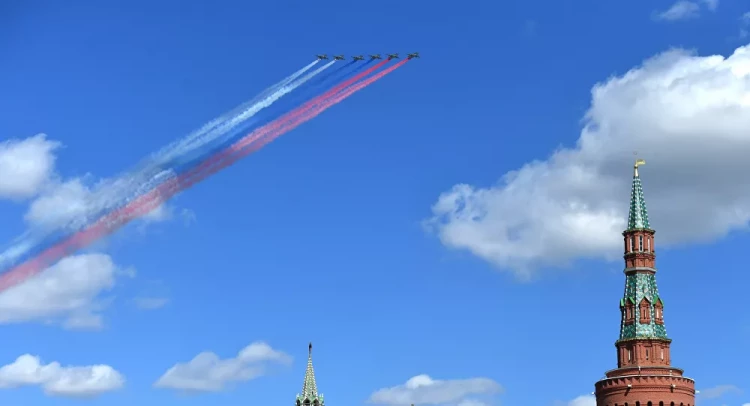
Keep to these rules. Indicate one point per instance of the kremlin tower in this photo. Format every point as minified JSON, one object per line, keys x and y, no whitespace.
{"x":309,"y":395}
{"x":644,"y":375}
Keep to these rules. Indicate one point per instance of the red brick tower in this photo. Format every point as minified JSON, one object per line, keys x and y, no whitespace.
{"x":644,"y":374}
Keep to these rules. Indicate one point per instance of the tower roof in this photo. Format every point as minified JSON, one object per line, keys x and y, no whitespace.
{"x":638,"y":215}
{"x":641,"y":292}
{"x":309,"y":393}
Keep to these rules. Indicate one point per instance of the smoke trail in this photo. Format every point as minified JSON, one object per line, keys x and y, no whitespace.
{"x":180,"y":144}
{"x":339,"y":69}
{"x":152,"y":199}
{"x":225,"y":127}
{"x":114,"y":192}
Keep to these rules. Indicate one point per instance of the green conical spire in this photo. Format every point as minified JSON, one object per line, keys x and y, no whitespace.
{"x":638,"y":215}
{"x":309,"y":394}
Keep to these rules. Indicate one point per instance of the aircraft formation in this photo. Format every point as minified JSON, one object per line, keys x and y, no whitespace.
{"x":372,"y":57}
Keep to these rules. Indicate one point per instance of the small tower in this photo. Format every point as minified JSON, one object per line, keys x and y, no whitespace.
{"x":309,"y":395}
{"x":644,"y":374}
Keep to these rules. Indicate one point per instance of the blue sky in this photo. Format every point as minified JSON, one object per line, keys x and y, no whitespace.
{"x":321,"y":236}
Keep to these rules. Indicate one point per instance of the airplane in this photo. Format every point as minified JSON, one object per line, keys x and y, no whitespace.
{"x":322,"y":56}
{"x":392,"y":56}
{"x":413,"y":55}
{"x":338,"y":58}
{"x":359,"y":58}
{"x":376,"y":56}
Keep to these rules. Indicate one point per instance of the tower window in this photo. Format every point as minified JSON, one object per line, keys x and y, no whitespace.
{"x":662,"y":354}
{"x":629,"y":311}
{"x":645,"y":310}
{"x":648,"y":244}
{"x":646,"y":353}
{"x":632,"y":242}
{"x":658,"y":312}
{"x":640,"y":243}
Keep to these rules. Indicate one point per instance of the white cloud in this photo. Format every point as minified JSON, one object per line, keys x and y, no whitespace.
{"x":423,"y":390}
{"x":150,"y":303}
{"x":472,"y":402}
{"x":681,"y":10}
{"x":717,"y":391}
{"x":26,"y":165}
{"x":73,"y":204}
{"x":585,"y":400}
{"x":687,"y":115}
{"x":69,"y":291}
{"x":58,"y":205}
{"x":56,"y":380}
{"x":744,"y":25}
{"x":685,"y":10}
{"x":206,"y":372}
{"x":711,"y":4}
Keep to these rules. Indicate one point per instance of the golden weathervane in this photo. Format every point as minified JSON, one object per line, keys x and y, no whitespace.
{"x":638,"y":162}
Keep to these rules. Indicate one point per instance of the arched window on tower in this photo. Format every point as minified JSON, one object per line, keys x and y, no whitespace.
{"x":658,"y":311}
{"x":645,"y":311}
{"x":628,"y":309}
{"x":640,"y":243}
{"x":648,"y":244}
{"x":632,"y":243}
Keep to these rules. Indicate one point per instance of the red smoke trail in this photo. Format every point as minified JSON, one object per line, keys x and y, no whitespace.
{"x":152,"y":199}
{"x":264,"y":135}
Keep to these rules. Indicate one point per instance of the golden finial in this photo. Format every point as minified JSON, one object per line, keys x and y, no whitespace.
{"x":638,"y":162}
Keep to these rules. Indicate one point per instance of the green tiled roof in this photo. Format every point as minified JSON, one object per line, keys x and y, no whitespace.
{"x":637,"y":287}
{"x":309,"y":387}
{"x":638,"y":215}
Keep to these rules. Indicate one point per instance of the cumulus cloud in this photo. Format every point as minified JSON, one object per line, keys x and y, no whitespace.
{"x":206,"y":372}
{"x":685,"y":10}
{"x":26,"y":165}
{"x":687,"y":115}
{"x":56,"y":380}
{"x":69,"y":291}
{"x":423,"y":390}
{"x":76,"y":202}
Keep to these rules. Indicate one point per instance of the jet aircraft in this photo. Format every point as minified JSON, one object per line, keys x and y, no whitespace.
{"x":338,"y":57}
{"x":322,"y":56}
{"x":359,"y":58}
{"x":413,"y":55}
{"x":392,"y":56}
{"x":376,"y":56}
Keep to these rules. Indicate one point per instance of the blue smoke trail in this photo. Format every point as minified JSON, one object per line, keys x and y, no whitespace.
{"x":125,"y":187}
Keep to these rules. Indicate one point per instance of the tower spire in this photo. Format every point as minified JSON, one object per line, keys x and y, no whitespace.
{"x":309,"y":395}
{"x":638,"y":215}
{"x":644,"y":372}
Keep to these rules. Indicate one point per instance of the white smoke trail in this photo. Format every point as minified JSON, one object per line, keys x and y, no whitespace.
{"x":114,"y":192}
{"x":194,"y":143}
{"x":211,"y":125}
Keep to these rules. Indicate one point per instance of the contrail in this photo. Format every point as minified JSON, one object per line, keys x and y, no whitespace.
{"x":152,"y":199}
